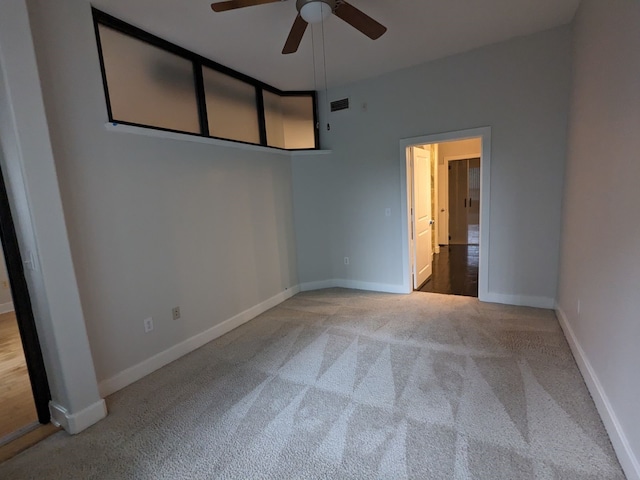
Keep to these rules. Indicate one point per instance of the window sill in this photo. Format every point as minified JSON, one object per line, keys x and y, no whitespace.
{"x":184,"y":137}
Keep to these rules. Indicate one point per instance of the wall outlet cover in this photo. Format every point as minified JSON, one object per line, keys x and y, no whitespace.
{"x":148,"y":324}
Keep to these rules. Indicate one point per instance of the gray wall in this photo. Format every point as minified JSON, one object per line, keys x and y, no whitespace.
{"x":520,"y":88}
{"x":600,"y":266}
{"x":155,"y":223}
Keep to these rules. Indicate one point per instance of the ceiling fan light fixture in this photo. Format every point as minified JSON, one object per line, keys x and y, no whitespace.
{"x":315,"y":11}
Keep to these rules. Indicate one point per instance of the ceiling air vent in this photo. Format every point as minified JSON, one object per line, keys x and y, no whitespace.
{"x":338,"y":105}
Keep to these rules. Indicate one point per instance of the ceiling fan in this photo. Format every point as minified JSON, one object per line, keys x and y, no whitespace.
{"x":312,"y":11}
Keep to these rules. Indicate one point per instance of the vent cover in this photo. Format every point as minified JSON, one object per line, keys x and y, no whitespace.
{"x":338,"y":105}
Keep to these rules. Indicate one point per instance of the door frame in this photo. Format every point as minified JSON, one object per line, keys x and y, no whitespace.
{"x":485,"y":205}
{"x":23,"y":308}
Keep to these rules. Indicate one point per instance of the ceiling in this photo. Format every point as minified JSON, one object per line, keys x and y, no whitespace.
{"x":250,"y":40}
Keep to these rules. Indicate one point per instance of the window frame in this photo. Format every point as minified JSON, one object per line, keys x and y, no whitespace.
{"x":198,"y":61}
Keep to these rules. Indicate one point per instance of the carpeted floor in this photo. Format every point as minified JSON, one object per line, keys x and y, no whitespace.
{"x":343,"y":384}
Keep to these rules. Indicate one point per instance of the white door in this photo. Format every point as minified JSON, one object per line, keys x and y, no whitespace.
{"x":421,"y":215}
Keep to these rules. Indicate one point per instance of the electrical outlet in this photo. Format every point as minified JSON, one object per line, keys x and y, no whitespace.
{"x":387,"y":212}
{"x":346,"y":260}
{"x":148,"y":324}
{"x":175,"y":312}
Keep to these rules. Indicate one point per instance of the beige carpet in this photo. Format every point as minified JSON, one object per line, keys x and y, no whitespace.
{"x":343,"y":384}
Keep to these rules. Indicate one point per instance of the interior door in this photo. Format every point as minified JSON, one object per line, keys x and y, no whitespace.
{"x":473,"y":213}
{"x":422,"y":221}
{"x":464,"y":202}
{"x":458,"y":201}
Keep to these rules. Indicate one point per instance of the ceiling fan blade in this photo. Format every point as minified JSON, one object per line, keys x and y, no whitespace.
{"x":295,"y":35}
{"x":233,"y":4}
{"x":359,"y":20}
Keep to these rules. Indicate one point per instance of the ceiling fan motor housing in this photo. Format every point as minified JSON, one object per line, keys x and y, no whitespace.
{"x":315,"y":10}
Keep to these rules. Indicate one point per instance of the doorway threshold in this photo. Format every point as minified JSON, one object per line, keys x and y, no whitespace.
{"x":17,"y":442}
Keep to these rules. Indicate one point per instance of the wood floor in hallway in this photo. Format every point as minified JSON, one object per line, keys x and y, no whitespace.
{"x":17,"y":408}
{"x":455,"y":271}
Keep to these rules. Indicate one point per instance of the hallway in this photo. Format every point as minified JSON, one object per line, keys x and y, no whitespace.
{"x":455,"y":271}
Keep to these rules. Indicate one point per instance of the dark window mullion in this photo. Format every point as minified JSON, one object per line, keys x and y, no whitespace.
{"x":316,"y":121}
{"x":262,"y":123}
{"x":198,"y":63}
{"x":102,"y":69}
{"x":201,"y":99}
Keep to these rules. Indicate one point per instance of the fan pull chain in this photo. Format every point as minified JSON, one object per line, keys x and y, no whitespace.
{"x":313,"y":53}
{"x":326,"y":87}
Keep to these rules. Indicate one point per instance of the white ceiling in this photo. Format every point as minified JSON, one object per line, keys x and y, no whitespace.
{"x":250,"y":39}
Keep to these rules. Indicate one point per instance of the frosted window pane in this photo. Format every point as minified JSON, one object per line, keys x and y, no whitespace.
{"x":289,"y":121}
{"x":273,"y":119}
{"x":148,"y":85}
{"x":231,"y":107}
{"x":297,"y":114}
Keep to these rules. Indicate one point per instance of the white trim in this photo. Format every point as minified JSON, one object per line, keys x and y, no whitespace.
{"x":185,"y":137}
{"x":6,"y":307}
{"x":485,"y":202}
{"x":307,"y":153}
{"x":627,"y":458}
{"x":76,"y":422}
{"x":520,"y":300}
{"x":144,"y":368}
{"x":370,"y":286}
{"x":319,"y":285}
{"x":353,"y":284}
{"x":466,"y":156}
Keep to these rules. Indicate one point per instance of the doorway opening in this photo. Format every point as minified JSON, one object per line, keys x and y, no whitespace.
{"x":17,"y":408}
{"x":446,"y":182}
{"x":24,"y":390}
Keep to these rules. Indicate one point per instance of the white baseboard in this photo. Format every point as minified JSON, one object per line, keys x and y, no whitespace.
{"x":144,"y":368}
{"x":322,"y":284}
{"x":507,"y":299}
{"x":626,"y":456}
{"x":353,"y":284}
{"x":520,"y":300}
{"x":76,"y":422}
{"x":370,"y":286}
{"x":6,"y":307}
